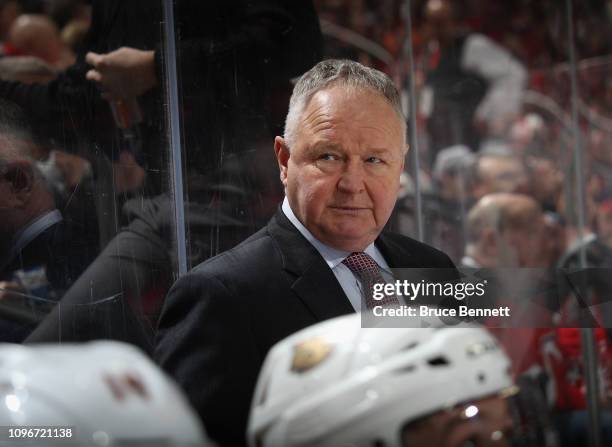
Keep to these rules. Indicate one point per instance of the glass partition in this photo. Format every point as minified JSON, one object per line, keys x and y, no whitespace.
{"x":86,"y":167}
{"x":111,"y":110}
{"x":234,"y":91}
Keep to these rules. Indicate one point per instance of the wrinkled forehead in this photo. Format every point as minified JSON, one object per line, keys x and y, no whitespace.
{"x":339,"y":92}
{"x":350,"y":104}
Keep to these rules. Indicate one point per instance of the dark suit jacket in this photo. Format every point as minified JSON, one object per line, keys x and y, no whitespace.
{"x":60,"y":253}
{"x":220,"y":320}
{"x":58,"y":248}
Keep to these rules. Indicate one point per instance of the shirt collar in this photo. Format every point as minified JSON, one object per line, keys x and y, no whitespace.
{"x":332,"y":256}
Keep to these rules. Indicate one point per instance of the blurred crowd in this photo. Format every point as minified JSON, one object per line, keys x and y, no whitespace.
{"x":495,"y":132}
{"x":500,"y":189}
{"x":513,"y":24}
{"x":537,"y":133}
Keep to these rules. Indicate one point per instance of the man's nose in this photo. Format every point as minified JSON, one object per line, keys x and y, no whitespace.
{"x":352,"y":178}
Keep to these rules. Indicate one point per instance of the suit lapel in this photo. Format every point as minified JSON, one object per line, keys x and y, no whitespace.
{"x":321,"y":293}
{"x":315,"y":284}
{"x":395,"y":254}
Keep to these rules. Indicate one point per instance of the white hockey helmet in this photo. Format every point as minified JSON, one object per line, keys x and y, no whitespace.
{"x":337,"y":384}
{"x":109,"y":393}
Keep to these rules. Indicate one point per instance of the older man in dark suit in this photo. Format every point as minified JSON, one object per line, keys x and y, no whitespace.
{"x":340,"y":162}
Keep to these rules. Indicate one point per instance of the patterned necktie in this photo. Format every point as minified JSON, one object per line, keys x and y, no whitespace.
{"x":366,"y":269}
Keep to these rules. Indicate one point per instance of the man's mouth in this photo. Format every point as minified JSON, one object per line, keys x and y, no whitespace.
{"x":349,"y":209}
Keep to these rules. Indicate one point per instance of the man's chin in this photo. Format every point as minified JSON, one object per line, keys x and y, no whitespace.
{"x":348,"y":240}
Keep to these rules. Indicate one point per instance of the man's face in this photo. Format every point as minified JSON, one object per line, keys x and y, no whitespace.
{"x":342,"y":175}
{"x":15,"y":188}
{"x":501,"y":174}
{"x":527,"y":244}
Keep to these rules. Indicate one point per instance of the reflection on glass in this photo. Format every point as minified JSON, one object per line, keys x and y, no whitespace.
{"x":90,"y":160}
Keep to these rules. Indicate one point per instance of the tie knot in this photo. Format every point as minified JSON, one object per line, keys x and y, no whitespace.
{"x":367,"y":271}
{"x":359,"y":263}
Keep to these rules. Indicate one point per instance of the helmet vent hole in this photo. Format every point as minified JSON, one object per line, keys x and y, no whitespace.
{"x":438,"y":361}
{"x":378,"y":443}
{"x":482,"y":377}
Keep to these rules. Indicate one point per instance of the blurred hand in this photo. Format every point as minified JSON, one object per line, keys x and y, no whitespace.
{"x":124,"y":73}
{"x":72,"y":167}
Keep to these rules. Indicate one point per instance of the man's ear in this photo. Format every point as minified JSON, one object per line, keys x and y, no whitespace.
{"x":282,"y":157}
{"x":21,"y":178}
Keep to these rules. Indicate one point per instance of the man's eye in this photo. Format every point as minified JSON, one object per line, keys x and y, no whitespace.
{"x":374,"y":160}
{"x":328,"y":157}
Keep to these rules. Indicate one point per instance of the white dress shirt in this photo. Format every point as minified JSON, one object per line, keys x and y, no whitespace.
{"x":333,"y":258}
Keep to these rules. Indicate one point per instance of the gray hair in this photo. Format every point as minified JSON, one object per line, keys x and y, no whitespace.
{"x":343,"y":72}
{"x":453,"y":160}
